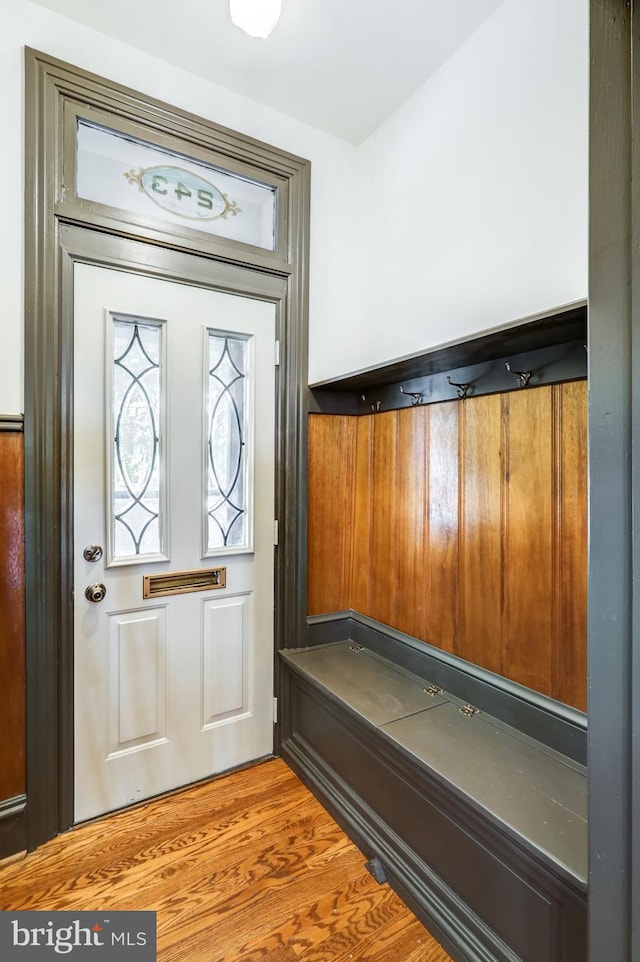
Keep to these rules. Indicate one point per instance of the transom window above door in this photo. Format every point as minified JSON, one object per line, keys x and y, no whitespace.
{"x":121,"y":171}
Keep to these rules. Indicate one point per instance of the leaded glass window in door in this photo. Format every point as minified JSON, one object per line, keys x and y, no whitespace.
{"x":228,"y":523}
{"x":136,"y":416}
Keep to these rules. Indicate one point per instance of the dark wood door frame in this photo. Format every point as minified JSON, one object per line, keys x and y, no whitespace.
{"x":614,"y":555}
{"x":62,"y":229}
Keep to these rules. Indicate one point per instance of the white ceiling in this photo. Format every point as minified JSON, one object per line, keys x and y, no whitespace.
{"x":340,"y":65}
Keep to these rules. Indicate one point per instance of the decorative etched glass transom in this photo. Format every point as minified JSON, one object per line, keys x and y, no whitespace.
{"x":227,"y":508}
{"x":136,"y":469}
{"x":140,"y":178}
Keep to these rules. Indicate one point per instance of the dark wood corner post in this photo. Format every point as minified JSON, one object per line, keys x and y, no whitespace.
{"x":614,"y":378}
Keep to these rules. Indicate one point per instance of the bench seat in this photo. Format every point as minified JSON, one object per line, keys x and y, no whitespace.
{"x":479,"y":826}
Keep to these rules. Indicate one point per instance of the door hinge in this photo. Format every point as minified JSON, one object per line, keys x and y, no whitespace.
{"x":469,"y":710}
{"x":277,"y":353}
{"x":275,"y":711}
{"x":276,"y":532}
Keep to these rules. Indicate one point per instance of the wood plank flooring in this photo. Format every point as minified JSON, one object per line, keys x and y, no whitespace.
{"x":244,"y":868}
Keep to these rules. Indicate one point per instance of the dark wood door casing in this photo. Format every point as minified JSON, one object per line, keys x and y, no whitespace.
{"x":62,"y":229}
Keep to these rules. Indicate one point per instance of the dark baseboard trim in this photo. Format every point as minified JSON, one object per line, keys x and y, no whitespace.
{"x":12,"y":422}
{"x":560,"y":727}
{"x":464,"y":936}
{"x":11,"y":806}
{"x":13,"y":826}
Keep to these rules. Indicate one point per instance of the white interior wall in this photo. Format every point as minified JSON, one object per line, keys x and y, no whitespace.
{"x":472,"y":206}
{"x":465,"y":211}
{"x":26,"y":24}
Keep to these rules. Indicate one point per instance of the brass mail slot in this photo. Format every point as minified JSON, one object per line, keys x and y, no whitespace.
{"x":180,"y":582}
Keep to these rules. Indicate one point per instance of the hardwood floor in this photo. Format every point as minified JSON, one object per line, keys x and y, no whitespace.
{"x":248,"y":867}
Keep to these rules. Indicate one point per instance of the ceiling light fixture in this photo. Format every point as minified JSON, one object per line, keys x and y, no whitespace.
{"x":255,"y":17}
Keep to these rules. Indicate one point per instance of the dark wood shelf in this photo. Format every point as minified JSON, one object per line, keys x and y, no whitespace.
{"x":552,"y":347}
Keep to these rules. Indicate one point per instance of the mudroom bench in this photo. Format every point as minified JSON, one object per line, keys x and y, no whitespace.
{"x":468,"y":796}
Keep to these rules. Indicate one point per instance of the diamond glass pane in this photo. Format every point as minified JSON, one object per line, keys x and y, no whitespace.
{"x":136,"y":521}
{"x":227,"y":524}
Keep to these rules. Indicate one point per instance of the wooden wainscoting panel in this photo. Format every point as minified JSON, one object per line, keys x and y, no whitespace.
{"x":383,"y":561}
{"x":528,"y":538}
{"x":362,"y":560}
{"x":463,"y":524}
{"x":570,"y":574}
{"x":330,"y":507}
{"x":481,"y":531}
{"x":443,"y":508}
{"x":412,"y":473}
{"x":12,"y":662}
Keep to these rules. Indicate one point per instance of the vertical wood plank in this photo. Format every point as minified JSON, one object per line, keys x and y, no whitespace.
{"x":330,"y":512}
{"x":570,"y":576}
{"x":12,"y":659}
{"x":463,"y":524}
{"x":442,"y":548}
{"x":480,"y":568}
{"x":528,"y":539}
{"x":383,"y":561}
{"x":411,"y":519}
{"x":362,"y":560}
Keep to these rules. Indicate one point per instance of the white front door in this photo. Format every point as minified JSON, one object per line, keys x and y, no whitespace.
{"x":174,"y":479}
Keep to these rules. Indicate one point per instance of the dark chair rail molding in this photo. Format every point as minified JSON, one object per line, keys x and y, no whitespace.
{"x":13,"y":806}
{"x":556,"y":725}
{"x":11,"y":422}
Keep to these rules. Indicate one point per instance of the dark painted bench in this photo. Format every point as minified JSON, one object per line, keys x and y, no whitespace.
{"x":480,"y":827}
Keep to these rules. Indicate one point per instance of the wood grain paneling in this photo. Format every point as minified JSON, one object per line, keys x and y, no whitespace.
{"x":469,"y":529}
{"x":570,"y":577}
{"x":442,"y":548}
{"x":527,"y":619}
{"x":330,"y":519}
{"x":383,"y":575}
{"x":480,"y":533}
{"x":361,"y":566}
{"x":411,"y":484}
{"x":12,"y":665}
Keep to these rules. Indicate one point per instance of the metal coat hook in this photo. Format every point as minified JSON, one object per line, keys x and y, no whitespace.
{"x":374,"y":405}
{"x":523,"y":376}
{"x":416,"y":397}
{"x":462,"y":388}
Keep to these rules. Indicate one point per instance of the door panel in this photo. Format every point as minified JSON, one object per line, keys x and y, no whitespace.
{"x":225,"y":659}
{"x":173,"y":472}
{"x":137,"y":673}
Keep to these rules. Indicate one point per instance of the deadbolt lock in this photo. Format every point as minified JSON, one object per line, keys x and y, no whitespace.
{"x":95,"y":592}
{"x":93,"y":552}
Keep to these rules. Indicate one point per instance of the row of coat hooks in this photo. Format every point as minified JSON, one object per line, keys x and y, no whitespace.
{"x":522,"y":377}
